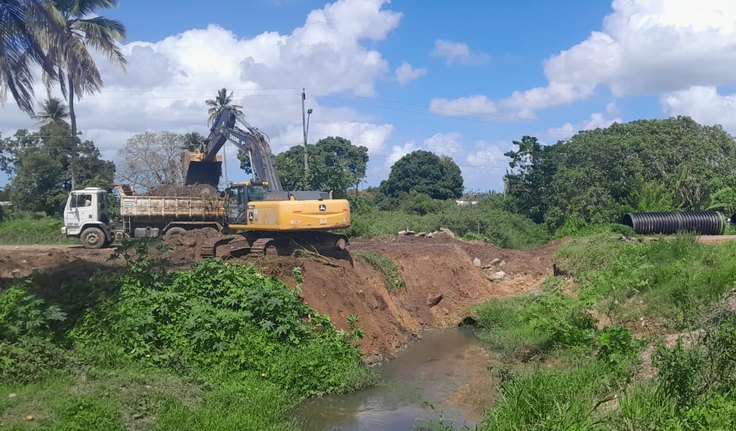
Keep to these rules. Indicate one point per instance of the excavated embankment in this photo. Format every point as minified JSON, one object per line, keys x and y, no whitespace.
{"x":443,"y":278}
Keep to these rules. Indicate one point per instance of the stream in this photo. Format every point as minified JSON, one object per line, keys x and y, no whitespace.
{"x":446,"y":373}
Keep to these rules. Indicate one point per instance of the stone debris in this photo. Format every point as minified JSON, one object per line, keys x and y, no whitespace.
{"x":447,"y":232}
{"x":477,"y":263}
{"x":498,"y":276}
{"x":433,"y":300}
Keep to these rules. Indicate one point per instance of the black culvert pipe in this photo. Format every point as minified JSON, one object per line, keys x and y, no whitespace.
{"x":702,"y":222}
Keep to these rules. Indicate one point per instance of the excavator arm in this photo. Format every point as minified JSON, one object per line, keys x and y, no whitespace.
{"x":204,"y":167}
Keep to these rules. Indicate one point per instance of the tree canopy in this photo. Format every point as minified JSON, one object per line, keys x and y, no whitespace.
{"x":27,"y":30}
{"x":424,"y":172}
{"x":335,"y":164}
{"x":596,"y":176}
{"x":39,"y":164}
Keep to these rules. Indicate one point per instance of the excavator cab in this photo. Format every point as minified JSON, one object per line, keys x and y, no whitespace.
{"x":239,"y":195}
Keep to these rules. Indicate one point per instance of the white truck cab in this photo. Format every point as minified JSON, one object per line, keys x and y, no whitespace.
{"x":84,"y":217}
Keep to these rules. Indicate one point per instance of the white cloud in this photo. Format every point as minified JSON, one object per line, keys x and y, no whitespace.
{"x":490,"y":157}
{"x":457,"y":52}
{"x":167,"y":81}
{"x":472,"y":105}
{"x":446,"y":144}
{"x":406,"y":73}
{"x":597,"y":120}
{"x":644,"y":47}
{"x":399,"y":151}
{"x":484,"y":168}
{"x":704,"y":104}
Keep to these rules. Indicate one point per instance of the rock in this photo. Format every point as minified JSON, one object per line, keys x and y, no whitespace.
{"x":502,"y":263}
{"x":29,"y":418}
{"x":430,"y":235}
{"x":447,"y":232}
{"x":15,"y":272}
{"x":12,"y":395}
{"x":497,"y":276}
{"x":496,"y":261}
{"x":406,"y":232}
{"x":476,"y":262}
{"x":422,"y":234}
{"x":433,"y":300}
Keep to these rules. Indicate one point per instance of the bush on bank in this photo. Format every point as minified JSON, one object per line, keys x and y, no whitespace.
{"x":230,"y":334}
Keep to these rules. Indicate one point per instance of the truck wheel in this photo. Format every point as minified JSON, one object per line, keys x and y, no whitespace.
{"x":174,"y":231}
{"x":93,"y":237}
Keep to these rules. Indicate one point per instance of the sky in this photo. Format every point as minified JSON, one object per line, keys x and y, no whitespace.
{"x":463,"y":78}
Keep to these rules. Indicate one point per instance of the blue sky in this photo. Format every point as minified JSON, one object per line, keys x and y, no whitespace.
{"x":462,"y":78}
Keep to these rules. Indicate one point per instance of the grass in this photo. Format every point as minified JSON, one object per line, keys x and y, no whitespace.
{"x":218,"y":347}
{"x":484,"y":222}
{"x":386,"y":266}
{"x":45,"y":230}
{"x":590,"y":377}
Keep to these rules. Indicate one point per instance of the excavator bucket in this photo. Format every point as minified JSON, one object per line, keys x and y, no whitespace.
{"x":198,"y":171}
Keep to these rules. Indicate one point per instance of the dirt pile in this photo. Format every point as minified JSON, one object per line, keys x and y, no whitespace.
{"x":196,"y":190}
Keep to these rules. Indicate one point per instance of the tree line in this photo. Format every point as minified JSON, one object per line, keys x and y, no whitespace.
{"x":597,"y":176}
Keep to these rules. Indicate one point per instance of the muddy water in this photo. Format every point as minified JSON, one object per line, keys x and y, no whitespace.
{"x":445,"y":373}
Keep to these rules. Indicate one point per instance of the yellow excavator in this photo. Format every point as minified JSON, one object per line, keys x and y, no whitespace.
{"x":265,"y":218}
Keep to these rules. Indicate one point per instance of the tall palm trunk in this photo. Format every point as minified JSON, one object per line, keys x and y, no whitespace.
{"x":73,"y":120}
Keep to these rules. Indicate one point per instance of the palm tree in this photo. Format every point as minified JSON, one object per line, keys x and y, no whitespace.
{"x":26,"y":27}
{"x":53,"y":111}
{"x":223,"y":100}
{"x":76,"y":71}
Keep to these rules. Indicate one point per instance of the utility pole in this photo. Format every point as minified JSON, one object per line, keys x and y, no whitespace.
{"x":304,"y":130}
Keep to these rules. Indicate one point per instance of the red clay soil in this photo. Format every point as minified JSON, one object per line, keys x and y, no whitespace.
{"x":442,"y":282}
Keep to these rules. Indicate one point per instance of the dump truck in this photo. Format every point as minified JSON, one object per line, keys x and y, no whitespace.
{"x":259,"y":215}
{"x":91,"y":216}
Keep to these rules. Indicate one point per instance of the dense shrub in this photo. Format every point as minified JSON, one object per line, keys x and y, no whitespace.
{"x":485,"y":221}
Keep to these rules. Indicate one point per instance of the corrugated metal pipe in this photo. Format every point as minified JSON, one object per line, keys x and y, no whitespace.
{"x":702,"y":222}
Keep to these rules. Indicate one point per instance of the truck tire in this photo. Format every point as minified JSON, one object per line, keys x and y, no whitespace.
{"x":174,"y":231}
{"x":93,"y":237}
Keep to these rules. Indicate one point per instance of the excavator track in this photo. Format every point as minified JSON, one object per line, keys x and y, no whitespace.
{"x":260,"y":247}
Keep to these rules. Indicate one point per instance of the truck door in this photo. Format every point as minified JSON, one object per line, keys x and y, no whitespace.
{"x":81,"y":207}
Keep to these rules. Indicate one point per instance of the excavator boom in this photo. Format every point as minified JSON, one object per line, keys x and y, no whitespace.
{"x":205,"y":166}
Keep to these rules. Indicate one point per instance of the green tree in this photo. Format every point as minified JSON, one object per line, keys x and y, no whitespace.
{"x":39,"y":165}
{"x":598,"y":175}
{"x":424,"y":172}
{"x":335,"y":164}
{"x":193,"y":141}
{"x":532,"y":167}
{"x":76,"y":69}
{"x":220,"y":102}
{"x":25,"y":28}
{"x":53,"y":111}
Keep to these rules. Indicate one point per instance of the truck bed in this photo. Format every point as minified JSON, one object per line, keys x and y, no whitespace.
{"x":172,"y":207}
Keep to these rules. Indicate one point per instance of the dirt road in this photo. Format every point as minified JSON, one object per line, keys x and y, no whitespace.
{"x":441,"y":279}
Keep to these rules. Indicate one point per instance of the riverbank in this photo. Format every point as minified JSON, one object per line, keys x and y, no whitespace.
{"x":631,"y":335}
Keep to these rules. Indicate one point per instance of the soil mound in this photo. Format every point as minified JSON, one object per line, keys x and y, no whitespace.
{"x":196,"y":190}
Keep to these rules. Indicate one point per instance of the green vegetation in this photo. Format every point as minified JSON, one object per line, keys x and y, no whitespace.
{"x":426,"y":173}
{"x":159,"y":350}
{"x":485,"y":221}
{"x":591,"y":376}
{"x":386,"y":266}
{"x":335,"y":164}
{"x":41,"y":230}
{"x":646,"y":165}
